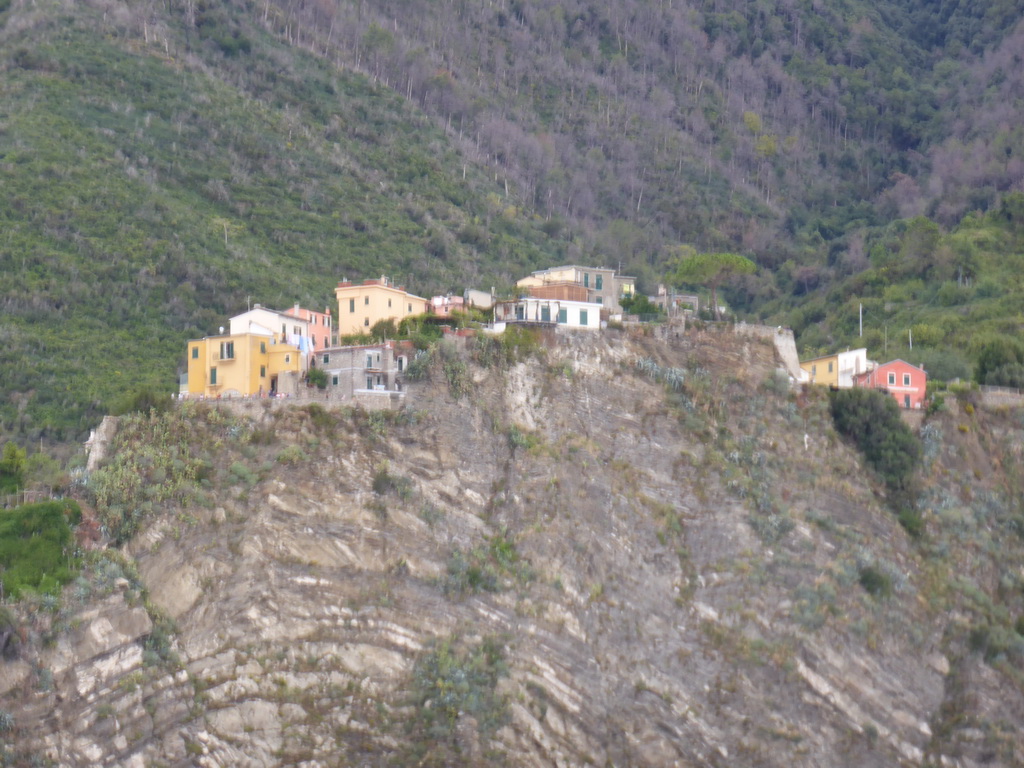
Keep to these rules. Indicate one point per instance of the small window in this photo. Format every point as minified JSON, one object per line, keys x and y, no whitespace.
{"x":906,"y":379}
{"x":195,"y":353}
{"x":401,"y":364}
{"x":892,"y":378}
{"x":366,"y":321}
{"x":545,"y":314}
{"x":334,"y":380}
{"x":366,"y":301}
{"x":583,"y":317}
{"x":263,"y":371}
{"x":389,"y":303}
{"x":351,"y":305}
{"x":327,"y":359}
{"x":369,"y":382}
{"x":600,"y":299}
{"x":369,"y":360}
{"x":287,"y":358}
{"x":213,"y":376}
{"x":586,"y":279}
{"x":410,"y":307}
{"x":599,"y":282}
{"x":298,"y":330}
{"x":227,"y":350}
{"x":563,"y":316}
{"x":263,"y":347}
{"x":830,"y":367}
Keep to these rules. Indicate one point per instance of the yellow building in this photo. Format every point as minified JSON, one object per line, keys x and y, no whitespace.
{"x":239,"y":364}
{"x":823,"y":370}
{"x":361,"y":306}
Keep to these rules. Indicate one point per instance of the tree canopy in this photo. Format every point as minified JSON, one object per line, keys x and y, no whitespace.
{"x":710,"y":269}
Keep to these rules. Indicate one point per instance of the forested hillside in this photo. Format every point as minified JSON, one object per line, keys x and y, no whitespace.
{"x":164,"y":160}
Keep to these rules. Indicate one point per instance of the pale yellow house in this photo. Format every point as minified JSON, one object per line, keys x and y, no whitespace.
{"x":822,"y":370}
{"x":361,"y":306}
{"x":837,"y":370}
{"x":242,"y":364}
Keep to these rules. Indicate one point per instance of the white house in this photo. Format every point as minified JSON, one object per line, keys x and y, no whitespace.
{"x":530,"y":309}
{"x":851,"y":364}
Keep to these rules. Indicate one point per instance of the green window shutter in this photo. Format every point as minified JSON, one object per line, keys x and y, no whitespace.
{"x":583,"y":317}
{"x":563,"y":316}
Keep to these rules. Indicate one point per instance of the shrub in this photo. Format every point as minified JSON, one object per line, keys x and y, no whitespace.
{"x":33,"y":540}
{"x":449,"y":681}
{"x":317,"y":377}
{"x":872,"y":421}
{"x":291,"y":455}
{"x":143,"y":400}
{"x":875,"y":582}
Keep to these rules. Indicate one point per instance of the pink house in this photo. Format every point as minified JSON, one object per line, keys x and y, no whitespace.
{"x":319,"y":325}
{"x":443,"y":306}
{"x":906,"y":382}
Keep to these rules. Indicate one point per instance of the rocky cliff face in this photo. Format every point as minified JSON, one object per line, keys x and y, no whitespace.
{"x":609,"y":550}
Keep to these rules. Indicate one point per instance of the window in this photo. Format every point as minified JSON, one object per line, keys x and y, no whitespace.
{"x":410,"y":307}
{"x":263,"y":371}
{"x":830,"y":367}
{"x":213,"y":377}
{"x":519,"y":312}
{"x":586,"y":279}
{"x":287,"y":358}
{"x":369,"y":360}
{"x":401,"y":364}
{"x":298,"y":330}
{"x":563,"y":316}
{"x":599,"y":282}
{"x":369,"y":382}
{"x":334,"y":380}
{"x":351,"y":305}
{"x":378,"y":359}
{"x":906,"y":379}
{"x":227,"y":350}
{"x":600,"y":299}
{"x":892,"y":378}
{"x":906,"y":401}
{"x":389,"y":303}
{"x":814,"y":370}
{"x":366,"y":321}
{"x":366,"y":301}
{"x":545,"y":314}
{"x":326,"y":359}
{"x":583,"y":317}
{"x":263,"y":347}
{"x":195,"y":353}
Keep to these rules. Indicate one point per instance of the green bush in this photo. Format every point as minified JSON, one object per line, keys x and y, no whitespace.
{"x":317,"y":377}
{"x":13,"y":463}
{"x":872,"y":421}
{"x":34,"y":540}
{"x":875,"y":582}
{"x":449,"y":681}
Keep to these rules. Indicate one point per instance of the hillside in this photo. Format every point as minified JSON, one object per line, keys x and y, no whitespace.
{"x":585,"y":550}
{"x":165,"y":162}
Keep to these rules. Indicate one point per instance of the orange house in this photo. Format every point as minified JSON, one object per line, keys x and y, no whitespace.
{"x":906,"y":382}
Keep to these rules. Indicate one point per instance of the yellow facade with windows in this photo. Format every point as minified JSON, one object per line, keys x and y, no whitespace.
{"x":242,"y":364}
{"x":361,"y":306}
{"x":823,"y":370}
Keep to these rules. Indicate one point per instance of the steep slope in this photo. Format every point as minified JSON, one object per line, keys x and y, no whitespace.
{"x":609,"y":550}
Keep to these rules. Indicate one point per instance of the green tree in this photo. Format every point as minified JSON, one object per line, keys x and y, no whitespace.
{"x":999,"y":361}
{"x":871,"y":419}
{"x":710,"y":269}
{"x":13,"y":463}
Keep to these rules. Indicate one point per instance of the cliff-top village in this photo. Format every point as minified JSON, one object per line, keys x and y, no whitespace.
{"x":271,"y":353}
